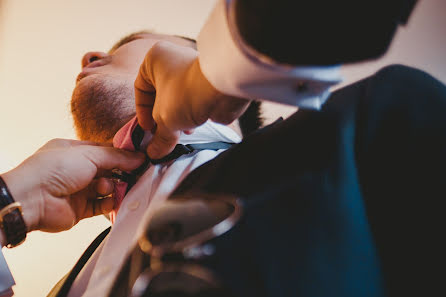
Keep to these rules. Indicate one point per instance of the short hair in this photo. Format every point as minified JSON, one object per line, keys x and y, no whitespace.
{"x":128,"y":38}
{"x":250,"y":121}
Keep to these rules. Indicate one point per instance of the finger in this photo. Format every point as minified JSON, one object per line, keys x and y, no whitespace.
{"x":163,"y":142}
{"x":87,"y":142}
{"x":89,"y":192}
{"x":189,"y":132}
{"x":58,"y":143}
{"x":111,"y":158}
{"x":104,"y":186}
{"x":96,"y":207}
{"x":98,"y":188}
{"x":144,"y":107}
{"x":94,"y":199}
{"x":104,"y":173}
{"x":145,"y":93}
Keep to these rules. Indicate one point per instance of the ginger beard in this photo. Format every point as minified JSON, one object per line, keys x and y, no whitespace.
{"x":100,"y":105}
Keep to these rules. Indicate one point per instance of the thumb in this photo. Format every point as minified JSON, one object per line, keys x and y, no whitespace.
{"x":163,"y":142}
{"x":110,"y":158}
{"x":144,"y":101}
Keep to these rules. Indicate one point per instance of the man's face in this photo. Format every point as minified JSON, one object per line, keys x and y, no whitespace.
{"x":103,"y":99}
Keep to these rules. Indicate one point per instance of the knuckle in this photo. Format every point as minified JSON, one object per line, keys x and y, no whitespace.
{"x":157,"y":118}
{"x":166,"y":139}
{"x":162,"y":118}
{"x":198,"y":119}
{"x":159,"y":47}
{"x":54,"y":142}
{"x":143,"y":79}
{"x":89,"y":153}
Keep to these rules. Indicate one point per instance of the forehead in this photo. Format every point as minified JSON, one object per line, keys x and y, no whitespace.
{"x":184,"y":41}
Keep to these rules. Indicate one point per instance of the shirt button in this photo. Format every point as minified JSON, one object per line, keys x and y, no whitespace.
{"x":133,"y":205}
{"x":104,"y":270}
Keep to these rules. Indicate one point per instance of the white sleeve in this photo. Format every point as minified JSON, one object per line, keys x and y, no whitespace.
{"x":6,"y":279}
{"x":236,"y":69}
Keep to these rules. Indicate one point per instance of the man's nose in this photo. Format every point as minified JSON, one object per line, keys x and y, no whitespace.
{"x":90,"y":57}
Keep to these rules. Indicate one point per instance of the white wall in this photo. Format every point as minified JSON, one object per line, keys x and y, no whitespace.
{"x":41,"y":44}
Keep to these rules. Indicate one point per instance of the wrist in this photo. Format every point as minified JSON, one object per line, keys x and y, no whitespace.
{"x":205,"y":96}
{"x":206,"y":88}
{"x":24,"y":189}
{"x":221,"y":108}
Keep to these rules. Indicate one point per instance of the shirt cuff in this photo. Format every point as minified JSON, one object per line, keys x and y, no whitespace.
{"x":6,"y":279}
{"x":236,"y":69}
{"x":7,"y":293}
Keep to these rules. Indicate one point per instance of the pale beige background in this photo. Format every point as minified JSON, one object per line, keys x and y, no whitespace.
{"x":41,"y":43}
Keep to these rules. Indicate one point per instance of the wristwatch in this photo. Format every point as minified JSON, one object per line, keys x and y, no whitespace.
{"x":11,"y":218}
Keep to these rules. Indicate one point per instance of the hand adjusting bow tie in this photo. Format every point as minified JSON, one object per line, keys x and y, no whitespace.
{"x":132,"y":137}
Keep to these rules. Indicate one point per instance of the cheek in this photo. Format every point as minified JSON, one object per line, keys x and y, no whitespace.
{"x":126,"y":66}
{"x":129,"y":58}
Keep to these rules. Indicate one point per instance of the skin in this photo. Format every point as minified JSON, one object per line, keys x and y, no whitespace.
{"x":184,"y":97}
{"x":59,"y":184}
{"x":103,"y":98}
{"x":111,"y":77}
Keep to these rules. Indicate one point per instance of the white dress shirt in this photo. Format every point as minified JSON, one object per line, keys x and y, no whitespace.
{"x":151,"y":190}
{"x":234,"y":68}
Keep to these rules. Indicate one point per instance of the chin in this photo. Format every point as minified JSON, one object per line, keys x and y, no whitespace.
{"x":101,"y":105}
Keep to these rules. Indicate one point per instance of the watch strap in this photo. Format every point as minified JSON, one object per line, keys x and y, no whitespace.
{"x":11,"y":218}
